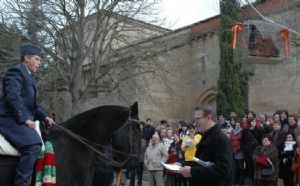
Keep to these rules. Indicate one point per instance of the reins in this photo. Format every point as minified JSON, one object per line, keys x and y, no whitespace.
{"x":88,"y":143}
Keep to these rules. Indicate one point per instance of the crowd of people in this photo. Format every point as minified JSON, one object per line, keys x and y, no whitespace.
{"x":179,"y":145}
{"x":264,"y":149}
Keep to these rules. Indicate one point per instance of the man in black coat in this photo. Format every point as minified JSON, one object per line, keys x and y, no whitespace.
{"x":19,"y":110}
{"x":214,"y":147}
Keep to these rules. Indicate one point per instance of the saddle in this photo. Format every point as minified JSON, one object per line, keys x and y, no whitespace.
{"x":7,"y":149}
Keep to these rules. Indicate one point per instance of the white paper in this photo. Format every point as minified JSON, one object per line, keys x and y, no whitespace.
{"x":189,"y":143}
{"x":173,"y":167}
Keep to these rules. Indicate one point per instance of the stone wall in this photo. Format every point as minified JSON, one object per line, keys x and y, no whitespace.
{"x":193,"y":60}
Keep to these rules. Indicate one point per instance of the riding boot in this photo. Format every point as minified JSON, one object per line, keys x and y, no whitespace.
{"x":29,"y":155}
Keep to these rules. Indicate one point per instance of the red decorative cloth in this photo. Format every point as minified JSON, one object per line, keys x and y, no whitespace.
{"x":285,"y":35}
{"x":235,"y":30}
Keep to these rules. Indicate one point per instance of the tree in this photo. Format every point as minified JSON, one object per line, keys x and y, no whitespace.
{"x":9,"y":37}
{"x":229,"y":96}
{"x":83,"y":38}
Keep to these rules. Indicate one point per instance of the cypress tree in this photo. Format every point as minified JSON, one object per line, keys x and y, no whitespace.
{"x":33,"y":21}
{"x":229,"y":91}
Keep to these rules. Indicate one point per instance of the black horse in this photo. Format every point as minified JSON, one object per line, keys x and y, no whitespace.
{"x":101,"y":127}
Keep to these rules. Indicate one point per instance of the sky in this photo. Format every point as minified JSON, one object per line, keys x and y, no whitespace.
{"x":179,"y":13}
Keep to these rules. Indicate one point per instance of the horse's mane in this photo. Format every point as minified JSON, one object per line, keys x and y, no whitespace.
{"x":95,"y":113}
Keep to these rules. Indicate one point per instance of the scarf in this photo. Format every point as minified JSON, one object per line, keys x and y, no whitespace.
{"x":288,"y":145}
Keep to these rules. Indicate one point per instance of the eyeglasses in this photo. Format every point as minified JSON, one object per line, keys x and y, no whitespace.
{"x":199,"y":117}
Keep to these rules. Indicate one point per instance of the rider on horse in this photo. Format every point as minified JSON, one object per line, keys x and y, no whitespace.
{"x":19,"y":109}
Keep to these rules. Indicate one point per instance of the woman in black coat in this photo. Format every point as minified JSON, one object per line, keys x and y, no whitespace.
{"x":286,"y":158}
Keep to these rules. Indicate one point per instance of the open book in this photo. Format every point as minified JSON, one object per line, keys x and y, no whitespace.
{"x":176,"y":167}
{"x":173,"y":167}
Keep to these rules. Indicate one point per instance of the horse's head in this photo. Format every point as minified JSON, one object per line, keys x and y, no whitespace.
{"x":115,"y":125}
{"x":127,"y":140}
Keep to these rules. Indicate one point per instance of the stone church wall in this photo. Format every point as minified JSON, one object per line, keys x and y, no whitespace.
{"x":195,"y":69}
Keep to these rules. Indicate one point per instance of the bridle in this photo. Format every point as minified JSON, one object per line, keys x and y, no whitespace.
{"x":130,"y":139}
{"x":92,"y":145}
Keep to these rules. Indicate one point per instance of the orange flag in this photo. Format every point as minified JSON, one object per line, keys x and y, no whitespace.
{"x":285,"y":35}
{"x":235,"y":30}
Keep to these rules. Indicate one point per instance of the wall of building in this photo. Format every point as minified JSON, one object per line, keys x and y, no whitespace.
{"x":276,"y":85}
{"x":273,"y":85}
{"x":193,"y":59}
{"x":191,"y":56}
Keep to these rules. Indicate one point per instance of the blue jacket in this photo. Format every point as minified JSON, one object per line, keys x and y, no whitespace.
{"x":18,"y":104}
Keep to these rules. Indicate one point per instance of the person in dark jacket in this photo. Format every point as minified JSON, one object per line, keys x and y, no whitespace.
{"x":19,"y":110}
{"x":251,"y":138}
{"x":214,"y":147}
{"x":148,"y":131}
{"x":286,"y":155}
{"x":265,"y":162}
{"x":177,"y":143}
